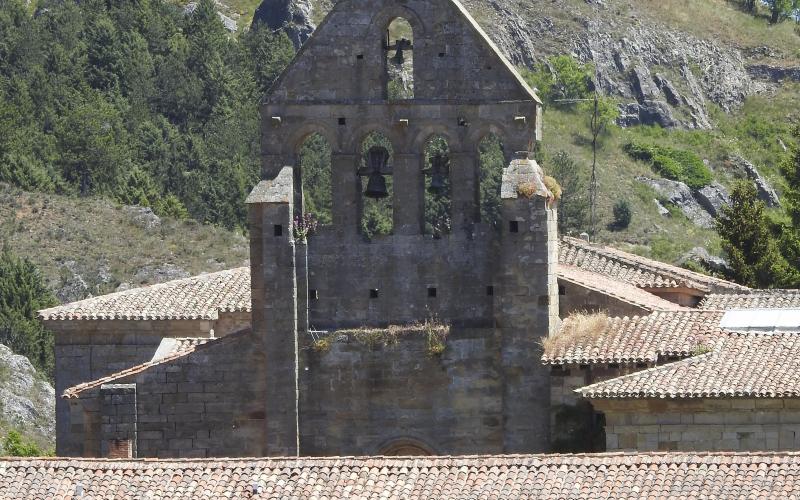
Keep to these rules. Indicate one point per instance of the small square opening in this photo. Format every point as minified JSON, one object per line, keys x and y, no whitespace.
{"x":342,"y":120}
{"x":373,"y":293}
{"x":462,"y":122}
{"x":360,"y":56}
{"x":431,"y":291}
{"x":562,"y":290}
{"x":277,"y":230}
{"x":313,"y":294}
{"x":513,"y":226}
{"x":490,"y":290}
{"x":441,"y":54}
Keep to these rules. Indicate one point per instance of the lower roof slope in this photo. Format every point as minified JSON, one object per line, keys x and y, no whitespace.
{"x":751,"y":365}
{"x":632,"y":339}
{"x":200,"y":297}
{"x":636,"y":270}
{"x":614,"y":475}
{"x":755,"y":299}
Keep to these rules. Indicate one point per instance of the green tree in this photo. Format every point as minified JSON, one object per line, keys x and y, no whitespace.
{"x":790,"y":168}
{"x":749,"y":239}
{"x":22,"y":293}
{"x":573,"y":208}
{"x":779,"y":10}
{"x":561,"y":78}
{"x":15,"y":446}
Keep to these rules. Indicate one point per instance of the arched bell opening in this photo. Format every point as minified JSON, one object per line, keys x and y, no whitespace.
{"x":399,"y":49}
{"x":313,"y":180}
{"x":377,"y":195}
{"x":438,"y":196}
{"x":492,"y":162}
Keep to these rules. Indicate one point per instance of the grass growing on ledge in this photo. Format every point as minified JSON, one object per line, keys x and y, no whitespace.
{"x":434,"y":330}
{"x":578,"y":328}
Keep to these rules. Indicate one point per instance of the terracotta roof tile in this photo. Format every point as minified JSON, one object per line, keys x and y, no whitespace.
{"x":613,"y":475}
{"x":755,"y":299}
{"x":198,"y":297}
{"x":763,"y":365}
{"x":182,"y":348}
{"x":636,"y":270}
{"x":620,"y":290}
{"x":637,"y":339}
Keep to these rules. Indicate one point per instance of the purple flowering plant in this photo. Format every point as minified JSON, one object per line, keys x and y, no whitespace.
{"x":304,"y":226}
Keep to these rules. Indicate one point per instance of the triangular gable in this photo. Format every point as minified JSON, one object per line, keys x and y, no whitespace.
{"x":454,"y":59}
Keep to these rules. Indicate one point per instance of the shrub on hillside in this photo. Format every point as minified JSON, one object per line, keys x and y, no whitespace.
{"x":622,"y":214}
{"x":675,"y":164}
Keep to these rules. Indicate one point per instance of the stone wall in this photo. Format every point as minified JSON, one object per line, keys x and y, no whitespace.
{"x":208,"y":403}
{"x":415,"y":277}
{"x":575,"y":298}
{"x":89,"y":350}
{"x":360,"y":398}
{"x":574,"y":424}
{"x":735,"y":424}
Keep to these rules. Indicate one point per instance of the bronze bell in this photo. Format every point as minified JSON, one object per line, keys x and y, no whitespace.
{"x":377,"y":157}
{"x":398,"y":58}
{"x":438,"y":172}
{"x":376,"y":186}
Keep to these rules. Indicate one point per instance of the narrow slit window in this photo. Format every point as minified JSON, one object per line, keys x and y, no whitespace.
{"x":399,"y":46}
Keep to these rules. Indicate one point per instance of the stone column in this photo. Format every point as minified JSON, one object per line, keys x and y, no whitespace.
{"x":118,"y":421}
{"x":346,"y":196}
{"x":526,"y":307}
{"x":464,"y":189}
{"x":408,"y":204}
{"x":275,"y":307}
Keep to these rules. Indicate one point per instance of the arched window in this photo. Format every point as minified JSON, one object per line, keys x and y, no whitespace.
{"x":405,"y":448}
{"x":492,"y":161}
{"x":438,"y":214}
{"x":399,"y":60}
{"x":314,"y":174}
{"x":376,"y":186}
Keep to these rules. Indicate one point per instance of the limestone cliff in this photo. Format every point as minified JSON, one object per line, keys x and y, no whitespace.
{"x":27,"y":401}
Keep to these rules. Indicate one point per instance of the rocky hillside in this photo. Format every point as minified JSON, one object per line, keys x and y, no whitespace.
{"x":27,"y":401}
{"x":87,"y":246}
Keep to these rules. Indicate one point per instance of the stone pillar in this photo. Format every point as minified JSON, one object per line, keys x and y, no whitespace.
{"x":118,"y":421}
{"x":526,"y":306}
{"x":275,"y":304}
{"x":409,"y":193}
{"x":464,"y":189}
{"x":345,"y":197}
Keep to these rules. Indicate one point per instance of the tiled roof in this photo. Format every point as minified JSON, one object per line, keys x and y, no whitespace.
{"x":199,"y":297}
{"x":762,"y":365}
{"x":637,"y":339}
{"x":636,"y":270}
{"x":183,"y":348}
{"x":716,"y":475}
{"x":619,"y":290}
{"x":756,"y":299}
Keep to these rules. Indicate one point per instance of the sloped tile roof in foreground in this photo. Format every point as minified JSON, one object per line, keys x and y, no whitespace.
{"x":636,"y":270}
{"x":613,"y":475}
{"x":634,"y":339}
{"x":199,"y":298}
{"x":756,"y":299}
{"x":751,"y":365}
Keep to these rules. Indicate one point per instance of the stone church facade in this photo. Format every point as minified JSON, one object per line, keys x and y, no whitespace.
{"x":399,"y":344}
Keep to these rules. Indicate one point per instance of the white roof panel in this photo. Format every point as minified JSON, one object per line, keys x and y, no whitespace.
{"x":761,"y":319}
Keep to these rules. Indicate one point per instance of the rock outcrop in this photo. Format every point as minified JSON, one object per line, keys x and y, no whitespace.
{"x":766,"y":192}
{"x":27,"y":402}
{"x":680,"y":195}
{"x":292,"y":16}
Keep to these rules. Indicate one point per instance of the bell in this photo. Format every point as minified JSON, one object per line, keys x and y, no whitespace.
{"x":398,"y":58}
{"x":376,"y":186}
{"x":438,"y":174}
